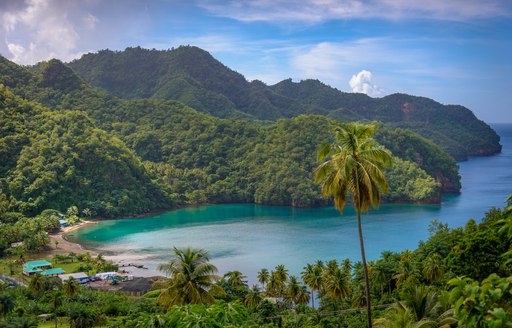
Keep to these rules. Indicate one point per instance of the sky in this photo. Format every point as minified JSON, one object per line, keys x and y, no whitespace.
{"x":454,"y":51}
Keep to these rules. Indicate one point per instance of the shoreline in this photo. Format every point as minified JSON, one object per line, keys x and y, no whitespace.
{"x":59,"y":244}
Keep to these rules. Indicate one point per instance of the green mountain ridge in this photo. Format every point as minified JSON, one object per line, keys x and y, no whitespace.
{"x":189,"y":157}
{"x":191,"y":75}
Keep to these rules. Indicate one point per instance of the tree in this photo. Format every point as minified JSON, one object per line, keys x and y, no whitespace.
{"x":354,"y":166}
{"x":312,"y":277}
{"x":56,"y":301}
{"x":433,"y":269}
{"x":263,"y":277}
{"x":253,"y":297}
{"x":70,"y":287}
{"x":192,"y":278}
{"x":37,"y":283}
{"x":236,"y":278}
{"x":6,"y":304}
{"x":336,"y":284}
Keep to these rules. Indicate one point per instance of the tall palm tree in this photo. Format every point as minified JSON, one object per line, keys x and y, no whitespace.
{"x":56,"y":301}
{"x":336,"y":284}
{"x":37,"y":283}
{"x":293,"y":290}
{"x":253,"y":297}
{"x":263,"y":277}
{"x":236,"y":278}
{"x":192,"y":278}
{"x":70,"y":287}
{"x":433,"y":269}
{"x":354,"y":166}
{"x":281,"y":275}
{"x":312,"y":277}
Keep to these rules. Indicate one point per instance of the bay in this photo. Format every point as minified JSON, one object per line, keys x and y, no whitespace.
{"x":248,"y":237}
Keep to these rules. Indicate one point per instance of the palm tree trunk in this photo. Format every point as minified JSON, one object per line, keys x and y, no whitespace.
{"x":365,"y":269}
{"x":313,"y":297}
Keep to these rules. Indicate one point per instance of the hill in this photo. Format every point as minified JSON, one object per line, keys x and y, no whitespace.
{"x":192,"y":76}
{"x":188,"y":157}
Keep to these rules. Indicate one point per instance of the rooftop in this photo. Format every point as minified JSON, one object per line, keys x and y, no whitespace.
{"x":52,"y":271}
{"x":37,"y":263}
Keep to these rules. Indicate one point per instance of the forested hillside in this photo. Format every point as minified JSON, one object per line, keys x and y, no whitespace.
{"x":144,"y":154}
{"x":192,"y":76}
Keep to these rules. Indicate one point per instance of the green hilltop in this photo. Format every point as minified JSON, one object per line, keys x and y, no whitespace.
{"x":192,"y":76}
{"x":68,"y":143}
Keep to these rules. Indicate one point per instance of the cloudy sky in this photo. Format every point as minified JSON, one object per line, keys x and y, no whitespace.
{"x":454,"y":51}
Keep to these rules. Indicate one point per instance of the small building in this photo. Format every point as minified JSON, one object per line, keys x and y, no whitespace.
{"x":106,"y":275}
{"x":63,"y":223}
{"x":32,"y":267}
{"x":81,"y":277}
{"x":53,"y":272}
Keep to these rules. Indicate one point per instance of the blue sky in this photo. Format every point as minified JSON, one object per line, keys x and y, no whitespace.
{"x":454,"y":51}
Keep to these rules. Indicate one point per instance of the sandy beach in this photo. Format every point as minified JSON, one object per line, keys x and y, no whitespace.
{"x":64,"y":246}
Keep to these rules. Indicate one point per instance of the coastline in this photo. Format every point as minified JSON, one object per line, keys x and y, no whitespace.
{"x":59,"y":244}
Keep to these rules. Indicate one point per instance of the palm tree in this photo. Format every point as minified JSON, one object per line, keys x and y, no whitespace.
{"x":354,"y":166}
{"x":37,"y":283}
{"x":235,"y":278}
{"x":280,"y":274}
{"x":263,"y":277}
{"x":253,"y":297}
{"x":70,"y":287}
{"x":293,"y":289}
{"x":312,"y":277}
{"x":336,"y":284}
{"x":303,"y":296}
{"x":433,"y":269}
{"x":421,"y":308}
{"x":192,"y":278}
{"x":6,"y":304}
{"x":56,"y":301}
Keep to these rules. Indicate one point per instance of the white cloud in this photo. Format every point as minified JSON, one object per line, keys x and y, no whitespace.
{"x":362,"y":83}
{"x":314,"y":11}
{"x":39,"y":31}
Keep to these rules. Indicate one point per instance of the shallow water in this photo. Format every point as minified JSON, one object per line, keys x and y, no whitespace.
{"x":250,"y":237}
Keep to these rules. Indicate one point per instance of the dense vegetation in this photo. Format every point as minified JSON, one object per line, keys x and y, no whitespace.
{"x":192,"y":76}
{"x":118,"y":157}
{"x":459,"y":277}
{"x":55,"y":159}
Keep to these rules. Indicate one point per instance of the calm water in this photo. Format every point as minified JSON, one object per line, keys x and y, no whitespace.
{"x":249,"y":237}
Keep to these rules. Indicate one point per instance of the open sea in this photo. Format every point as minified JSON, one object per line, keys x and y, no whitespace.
{"x":247,"y":237}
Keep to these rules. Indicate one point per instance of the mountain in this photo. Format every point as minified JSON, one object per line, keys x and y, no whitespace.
{"x":176,"y":154}
{"x":192,"y":76}
{"x":55,"y":159}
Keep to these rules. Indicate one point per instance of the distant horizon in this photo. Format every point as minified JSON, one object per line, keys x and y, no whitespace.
{"x":455,"y":52}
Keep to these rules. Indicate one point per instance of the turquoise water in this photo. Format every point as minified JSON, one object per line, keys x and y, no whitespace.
{"x":250,"y":237}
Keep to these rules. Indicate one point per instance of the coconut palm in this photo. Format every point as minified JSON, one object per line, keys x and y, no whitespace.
{"x":354,"y":166}
{"x":274,"y":285}
{"x":192,"y":278}
{"x":293,"y":289}
{"x":303,"y":296}
{"x":37,"y":283}
{"x":6,"y":304}
{"x":281,"y":276}
{"x":433,"y":269}
{"x":70,"y":287}
{"x":253,"y":297}
{"x":263,"y":277}
{"x":312,"y":277}
{"x":336,"y":284}
{"x":56,"y":301}
{"x":235,"y":278}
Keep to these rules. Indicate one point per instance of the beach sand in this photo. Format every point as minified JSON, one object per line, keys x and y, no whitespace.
{"x":64,"y":246}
